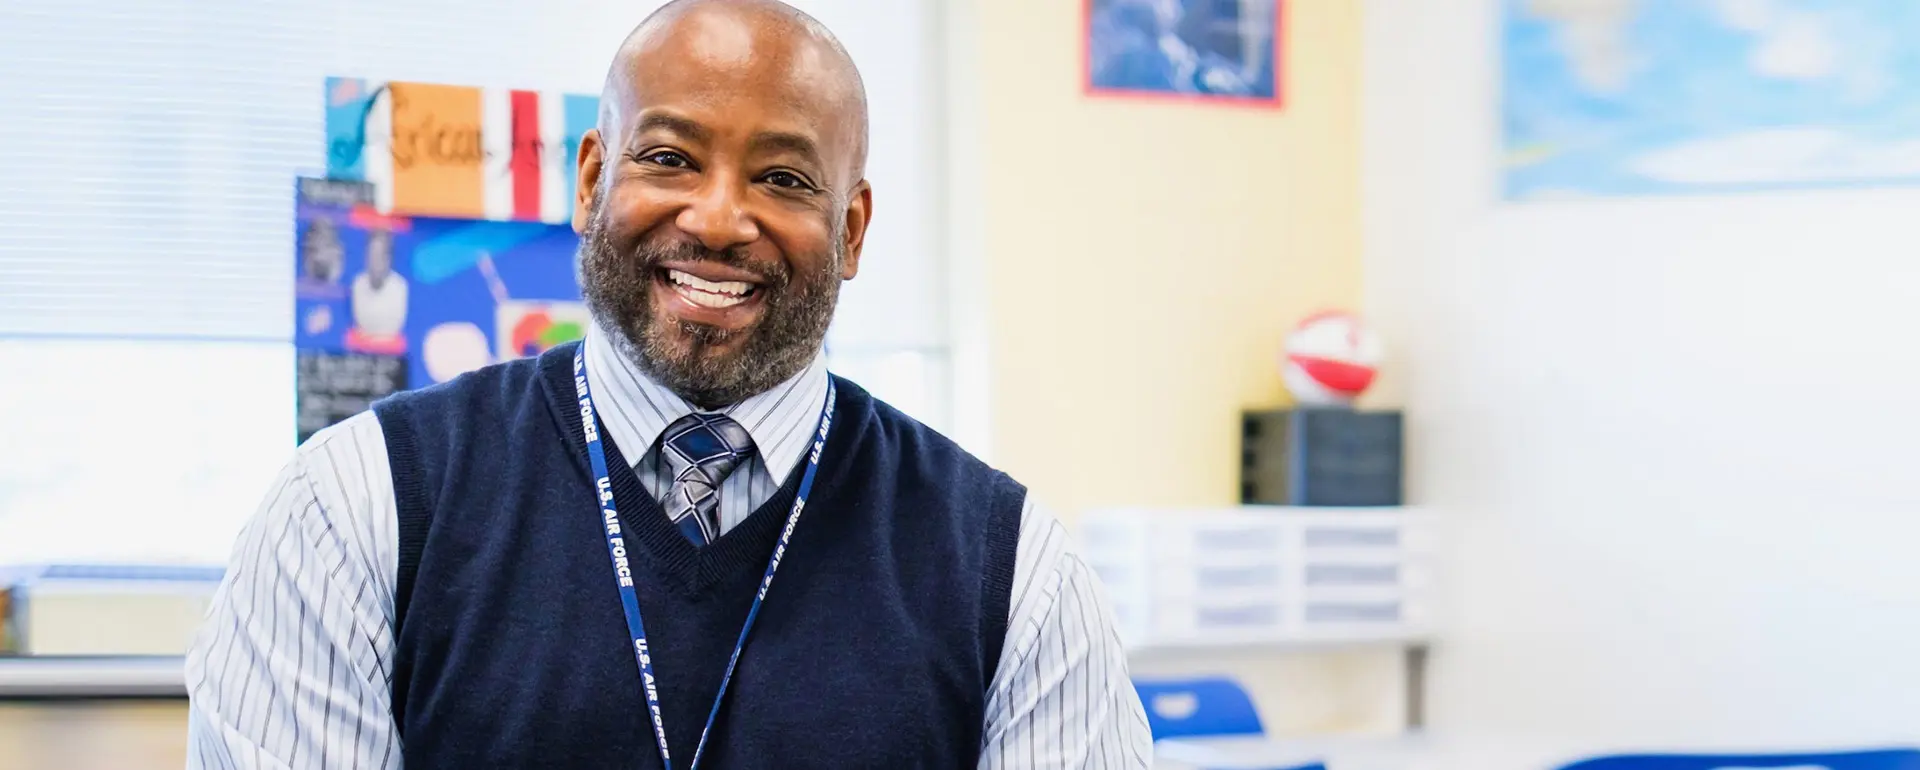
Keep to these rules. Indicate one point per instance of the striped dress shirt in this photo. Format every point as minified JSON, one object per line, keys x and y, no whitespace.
{"x":293,"y":667}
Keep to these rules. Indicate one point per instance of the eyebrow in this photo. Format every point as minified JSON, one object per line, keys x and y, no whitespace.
{"x":765,"y":141}
{"x":673,"y":124}
{"x":782,"y":141}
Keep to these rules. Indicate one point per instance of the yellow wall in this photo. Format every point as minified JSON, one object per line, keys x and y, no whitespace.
{"x":1144,"y":259}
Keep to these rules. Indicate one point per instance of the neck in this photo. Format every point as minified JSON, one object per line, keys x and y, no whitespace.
{"x":700,"y":395}
{"x":712,"y":399}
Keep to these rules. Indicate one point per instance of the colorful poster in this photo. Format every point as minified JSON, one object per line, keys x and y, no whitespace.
{"x":1225,"y":50}
{"x":385,"y":302}
{"x":458,"y":151}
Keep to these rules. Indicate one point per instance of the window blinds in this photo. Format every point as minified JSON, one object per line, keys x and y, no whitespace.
{"x":147,"y":156}
{"x":149,"y":147}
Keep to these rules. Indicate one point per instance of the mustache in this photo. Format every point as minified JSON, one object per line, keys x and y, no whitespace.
{"x":653,"y":256}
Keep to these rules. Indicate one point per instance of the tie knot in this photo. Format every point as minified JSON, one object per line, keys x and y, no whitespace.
{"x":707,"y":444}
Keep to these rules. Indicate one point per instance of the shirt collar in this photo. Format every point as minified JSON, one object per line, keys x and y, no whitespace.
{"x":635,"y":409}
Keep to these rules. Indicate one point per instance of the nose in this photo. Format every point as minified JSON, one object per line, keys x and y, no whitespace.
{"x":717,"y":217}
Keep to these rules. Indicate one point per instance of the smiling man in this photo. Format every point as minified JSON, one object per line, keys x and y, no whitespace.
{"x":681,"y":542}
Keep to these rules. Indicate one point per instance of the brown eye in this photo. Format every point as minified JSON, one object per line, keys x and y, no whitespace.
{"x":668,"y":159}
{"x":787,"y":180}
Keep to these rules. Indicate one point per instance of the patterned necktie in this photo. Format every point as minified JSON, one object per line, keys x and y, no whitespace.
{"x":700,"y":450}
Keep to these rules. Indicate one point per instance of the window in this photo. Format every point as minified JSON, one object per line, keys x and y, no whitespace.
{"x":146,"y":234}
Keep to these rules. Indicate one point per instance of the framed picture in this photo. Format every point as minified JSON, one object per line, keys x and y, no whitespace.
{"x":1210,"y":50}
{"x":1702,"y":97}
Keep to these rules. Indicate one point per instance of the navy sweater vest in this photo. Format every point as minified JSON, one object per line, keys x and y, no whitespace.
{"x":875,"y":647}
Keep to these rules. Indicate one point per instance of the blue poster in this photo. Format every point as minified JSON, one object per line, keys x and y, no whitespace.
{"x":1209,"y":49}
{"x":387,"y":302}
{"x":1621,"y":97}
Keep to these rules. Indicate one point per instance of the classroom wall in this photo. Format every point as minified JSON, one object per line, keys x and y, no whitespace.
{"x":1122,"y":274}
{"x":1673,"y":439}
{"x":1135,"y":264}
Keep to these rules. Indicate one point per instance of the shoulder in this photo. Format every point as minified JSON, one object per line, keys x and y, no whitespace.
{"x":1045,"y":546}
{"x":1048,"y":563}
{"x":885,"y":432}
{"x":946,"y":487}
{"x":345,"y":464}
{"x":322,"y":540}
{"x":494,"y":390}
{"x":334,"y":498}
{"x":345,"y":469}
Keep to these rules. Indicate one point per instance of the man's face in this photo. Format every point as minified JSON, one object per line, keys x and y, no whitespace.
{"x":379,"y":256}
{"x":718,"y":216}
{"x":323,"y":250}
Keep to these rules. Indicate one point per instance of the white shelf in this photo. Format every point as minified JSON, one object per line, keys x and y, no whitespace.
{"x":92,"y":677}
{"x":1214,"y":643}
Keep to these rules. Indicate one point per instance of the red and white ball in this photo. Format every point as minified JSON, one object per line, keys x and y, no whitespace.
{"x":1330,"y":359}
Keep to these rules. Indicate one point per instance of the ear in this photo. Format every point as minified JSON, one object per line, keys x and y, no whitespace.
{"x":859,"y":214}
{"x":591,"y":161}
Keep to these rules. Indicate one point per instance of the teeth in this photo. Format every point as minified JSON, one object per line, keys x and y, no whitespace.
{"x":705,"y":299}
{"x":735,"y":288}
{"x":705,"y":293}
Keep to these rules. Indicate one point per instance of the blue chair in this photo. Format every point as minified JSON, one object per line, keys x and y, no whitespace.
{"x":1887,"y":759}
{"x":1202,"y":707}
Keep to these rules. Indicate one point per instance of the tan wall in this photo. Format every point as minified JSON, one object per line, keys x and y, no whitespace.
{"x":1143,"y":259}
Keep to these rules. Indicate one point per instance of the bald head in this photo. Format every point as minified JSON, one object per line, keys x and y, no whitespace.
{"x":762,"y":46}
{"x":722,"y":200}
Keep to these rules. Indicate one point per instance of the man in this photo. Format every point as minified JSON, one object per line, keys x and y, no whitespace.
{"x":680,"y":541}
{"x":379,"y":295}
{"x":323,"y":255}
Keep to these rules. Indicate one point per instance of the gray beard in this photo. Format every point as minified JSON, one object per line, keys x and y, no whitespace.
{"x":685,"y":357}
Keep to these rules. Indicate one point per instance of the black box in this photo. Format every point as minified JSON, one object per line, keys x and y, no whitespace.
{"x":1320,"y":456}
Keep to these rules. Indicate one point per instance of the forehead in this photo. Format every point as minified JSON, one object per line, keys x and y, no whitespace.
{"x":740,"y":74}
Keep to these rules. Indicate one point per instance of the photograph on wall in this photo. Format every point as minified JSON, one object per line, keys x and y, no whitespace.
{"x":1619,"y":98}
{"x":458,"y":151}
{"x":1193,"y":49}
{"x":385,"y":302}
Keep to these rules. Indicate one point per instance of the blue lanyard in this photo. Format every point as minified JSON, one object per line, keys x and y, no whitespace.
{"x":623,"y":571}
